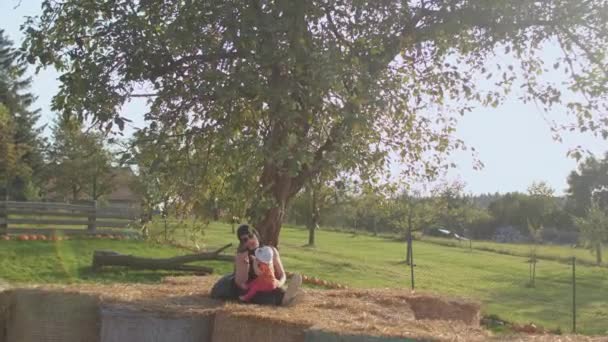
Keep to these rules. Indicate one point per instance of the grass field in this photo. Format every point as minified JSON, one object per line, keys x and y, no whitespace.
{"x":497,"y":280}
{"x":555,"y":252}
{"x":69,"y":261}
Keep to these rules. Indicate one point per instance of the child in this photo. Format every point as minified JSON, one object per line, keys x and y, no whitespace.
{"x":264,"y":269}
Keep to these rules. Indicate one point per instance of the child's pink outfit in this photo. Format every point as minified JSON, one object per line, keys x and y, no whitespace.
{"x":265,"y":280}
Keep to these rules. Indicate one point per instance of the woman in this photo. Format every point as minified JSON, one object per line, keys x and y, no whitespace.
{"x":231,"y":286}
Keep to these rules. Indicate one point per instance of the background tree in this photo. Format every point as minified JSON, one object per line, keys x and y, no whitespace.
{"x":585,"y":183}
{"x":16,"y":102}
{"x":11,"y":163}
{"x":539,"y":205}
{"x":80,"y":166}
{"x":319,"y":193}
{"x":315,"y":83}
{"x":451,"y":204}
{"x":411,"y":213}
{"x":594,"y":230}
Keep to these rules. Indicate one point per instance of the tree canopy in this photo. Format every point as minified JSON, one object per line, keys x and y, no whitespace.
{"x":309,"y":84}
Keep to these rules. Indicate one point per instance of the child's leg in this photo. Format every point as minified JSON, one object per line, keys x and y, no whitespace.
{"x":253,"y":289}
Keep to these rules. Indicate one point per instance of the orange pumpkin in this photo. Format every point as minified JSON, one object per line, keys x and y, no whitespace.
{"x":305,"y":278}
{"x":33,"y":237}
{"x":6,"y":237}
{"x":42,"y":237}
{"x":23,"y":238}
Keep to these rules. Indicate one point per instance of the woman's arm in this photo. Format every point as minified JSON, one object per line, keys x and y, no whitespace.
{"x":241,"y":269}
{"x":279,"y":271}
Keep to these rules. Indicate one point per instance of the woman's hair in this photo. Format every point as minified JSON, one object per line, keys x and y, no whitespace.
{"x":245,"y":229}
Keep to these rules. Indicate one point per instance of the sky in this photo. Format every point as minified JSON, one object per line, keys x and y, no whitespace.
{"x":513,"y":141}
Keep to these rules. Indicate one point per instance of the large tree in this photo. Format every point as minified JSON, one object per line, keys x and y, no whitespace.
{"x":315,"y":83}
{"x":16,"y":100}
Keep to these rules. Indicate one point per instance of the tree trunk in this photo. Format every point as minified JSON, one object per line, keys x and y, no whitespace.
{"x":311,"y":235}
{"x":408,"y":252}
{"x":270,"y":226}
{"x":374,"y":227}
{"x":109,"y":258}
{"x":598,"y":253}
{"x":278,"y":187}
{"x":408,"y":257}
{"x":314,"y":215}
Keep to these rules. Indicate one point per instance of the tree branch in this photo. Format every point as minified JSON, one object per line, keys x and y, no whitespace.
{"x":588,"y":53}
{"x":333,"y":28}
{"x":144,"y":95}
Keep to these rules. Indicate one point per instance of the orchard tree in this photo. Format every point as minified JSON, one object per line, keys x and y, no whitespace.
{"x":412,"y":213}
{"x":540,"y":206}
{"x":320,"y":193}
{"x":316,"y":83}
{"x":594,"y":230}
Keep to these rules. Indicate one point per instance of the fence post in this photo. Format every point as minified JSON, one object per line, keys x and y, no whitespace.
{"x":92,"y":225}
{"x":3,"y":217}
{"x":574,"y":295}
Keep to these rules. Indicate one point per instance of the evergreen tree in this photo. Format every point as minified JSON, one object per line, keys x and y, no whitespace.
{"x":16,"y":100}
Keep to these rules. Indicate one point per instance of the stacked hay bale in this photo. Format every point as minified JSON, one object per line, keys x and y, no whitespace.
{"x":238,"y":327}
{"x":5,"y":309}
{"x":440,"y":308}
{"x":52,"y":316}
{"x":121,"y":323}
{"x":180,"y":310}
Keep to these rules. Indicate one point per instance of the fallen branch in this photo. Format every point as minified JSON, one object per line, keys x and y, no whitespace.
{"x":111,"y":258}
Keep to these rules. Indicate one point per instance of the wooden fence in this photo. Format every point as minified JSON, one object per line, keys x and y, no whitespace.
{"x":88,"y":218}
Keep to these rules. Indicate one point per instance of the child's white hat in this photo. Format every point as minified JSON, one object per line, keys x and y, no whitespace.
{"x":264,"y":254}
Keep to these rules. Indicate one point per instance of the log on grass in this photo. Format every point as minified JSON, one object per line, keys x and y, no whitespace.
{"x":111,"y":258}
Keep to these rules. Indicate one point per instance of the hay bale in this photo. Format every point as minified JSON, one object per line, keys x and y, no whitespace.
{"x":317,"y":335}
{"x":5,"y":308}
{"x":52,"y":316}
{"x":437,"y":308}
{"x":119,"y":323}
{"x":245,"y":328}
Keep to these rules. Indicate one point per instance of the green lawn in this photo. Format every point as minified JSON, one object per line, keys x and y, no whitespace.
{"x":69,"y":261}
{"x":542,"y":251}
{"x":497,"y":280}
